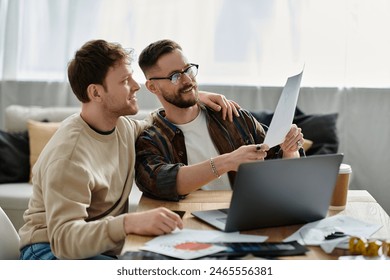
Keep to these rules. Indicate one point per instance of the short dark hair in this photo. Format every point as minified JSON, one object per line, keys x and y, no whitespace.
{"x":149,"y":56}
{"x":91,"y":64}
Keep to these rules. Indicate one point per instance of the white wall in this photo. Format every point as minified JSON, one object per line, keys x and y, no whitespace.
{"x":363,"y":128}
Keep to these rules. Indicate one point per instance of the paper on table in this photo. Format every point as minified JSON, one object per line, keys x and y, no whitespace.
{"x":186,"y":250}
{"x":284,"y":113}
{"x":314,"y":233}
{"x":182,"y":243}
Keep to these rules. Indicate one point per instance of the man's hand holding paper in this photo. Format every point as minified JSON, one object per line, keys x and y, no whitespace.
{"x":293,"y":142}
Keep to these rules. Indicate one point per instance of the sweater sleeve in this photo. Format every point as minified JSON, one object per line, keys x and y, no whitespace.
{"x":67,"y":193}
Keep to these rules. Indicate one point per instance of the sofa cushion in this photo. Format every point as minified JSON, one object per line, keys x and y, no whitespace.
{"x":16,"y":116}
{"x":322,"y":130}
{"x":15,"y":195}
{"x":14,"y":157}
{"x":39,"y":134}
{"x":14,"y":199}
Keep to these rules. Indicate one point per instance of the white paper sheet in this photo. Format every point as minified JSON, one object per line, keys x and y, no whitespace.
{"x":284,"y":113}
{"x":314,"y":233}
{"x":180,"y":243}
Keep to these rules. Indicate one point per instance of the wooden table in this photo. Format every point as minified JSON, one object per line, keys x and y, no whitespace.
{"x":360,"y":205}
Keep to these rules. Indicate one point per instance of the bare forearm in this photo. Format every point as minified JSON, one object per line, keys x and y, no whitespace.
{"x":191,"y":178}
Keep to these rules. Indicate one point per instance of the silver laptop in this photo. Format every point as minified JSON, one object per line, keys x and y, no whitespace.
{"x":278,"y":192}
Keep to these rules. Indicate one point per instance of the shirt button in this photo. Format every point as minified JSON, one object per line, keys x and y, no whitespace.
{"x":181,"y":153}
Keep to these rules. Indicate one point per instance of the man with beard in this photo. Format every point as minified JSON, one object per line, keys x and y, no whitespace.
{"x":84,"y":175}
{"x":190,"y":146}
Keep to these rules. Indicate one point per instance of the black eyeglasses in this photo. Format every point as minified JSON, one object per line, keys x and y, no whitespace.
{"x":190,"y":71}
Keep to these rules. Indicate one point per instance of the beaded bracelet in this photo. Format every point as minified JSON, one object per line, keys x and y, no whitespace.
{"x":214,"y":169}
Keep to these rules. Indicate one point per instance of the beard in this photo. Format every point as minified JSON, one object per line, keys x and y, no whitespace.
{"x":181,"y":98}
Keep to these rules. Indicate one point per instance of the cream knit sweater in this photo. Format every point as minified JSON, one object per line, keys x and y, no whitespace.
{"x":80,"y":176}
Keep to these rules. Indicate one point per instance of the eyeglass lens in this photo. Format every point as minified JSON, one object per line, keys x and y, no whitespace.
{"x":190,"y":72}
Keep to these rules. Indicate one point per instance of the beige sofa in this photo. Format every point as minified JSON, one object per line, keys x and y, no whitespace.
{"x":14,"y":196}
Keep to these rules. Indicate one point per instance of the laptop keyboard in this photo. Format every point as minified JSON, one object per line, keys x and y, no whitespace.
{"x":225,"y":211}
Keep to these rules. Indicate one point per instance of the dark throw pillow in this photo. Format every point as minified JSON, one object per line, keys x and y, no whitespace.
{"x":322,"y":130}
{"x":319,"y":128}
{"x":14,"y":157}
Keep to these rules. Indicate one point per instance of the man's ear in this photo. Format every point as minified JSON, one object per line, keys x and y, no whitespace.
{"x":150,"y":85}
{"x":93,"y":92}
